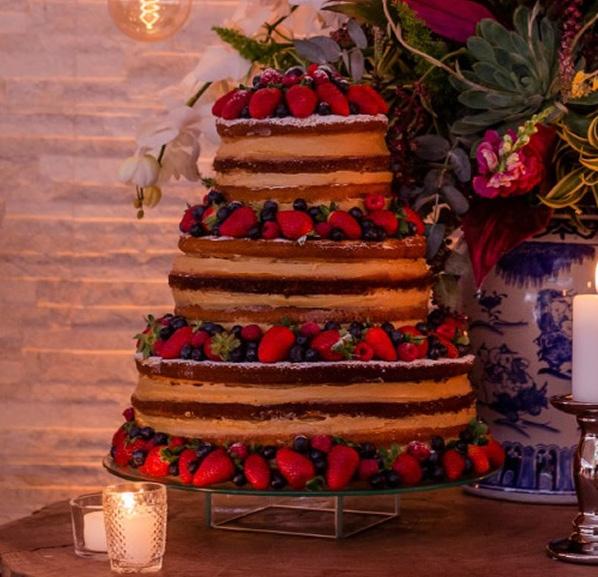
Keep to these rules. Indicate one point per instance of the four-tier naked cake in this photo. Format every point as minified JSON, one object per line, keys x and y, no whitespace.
{"x":303,"y":350}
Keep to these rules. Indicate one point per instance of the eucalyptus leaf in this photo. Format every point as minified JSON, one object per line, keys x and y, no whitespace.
{"x":435,"y":239}
{"x":460,"y":164}
{"x":357,"y":34}
{"x":430,"y":147}
{"x":310,"y":51}
{"x":422,"y":200}
{"x":330,"y":47}
{"x":356,"y":64}
{"x":481,"y":49}
{"x":456,"y":199}
{"x":433,"y":181}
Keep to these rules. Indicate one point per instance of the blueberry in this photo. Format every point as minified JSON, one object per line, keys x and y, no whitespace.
{"x":353,"y":108}
{"x":437,"y":473}
{"x":134,"y":432}
{"x":396,"y":337}
{"x":198,"y":355}
{"x":331,"y":326}
{"x":356,"y":213}
{"x":239,"y":479}
{"x":215,"y":230}
{"x":461,"y":447}
{"x":324,"y":109}
{"x":208,"y":327}
{"x":161,"y":439}
{"x":311,"y":356}
{"x":173,"y":469}
{"x":256,"y":80}
{"x":433,"y":353}
{"x":297,"y":354}
{"x":320,"y":465}
{"x":177,"y":322}
{"x":370,"y":234}
{"x":301,"y":340}
{"x":422,"y":328}
{"x":437,"y":444}
{"x":300,"y":204}
{"x":237,"y":355}
{"x":251,"y":355}
{"x":166,"y":333}
{"x":277,"y":481}
{"x":255,"y":232}
{"x":281,"y":111}
{"x":337,"y":234}
{"x":367,"y":224}
{"x":468,"y":470}
{"x":387,"y":327}
{"x":314,"y":212}
{"x":295,"y":71}
{"x":245,"y":112}
{"x":367,"y":451}
{"x":314,"y":455}
{"x":380,"y":234}
{"x":204,"y":449}
{"x":267,"y":214}
{"x":392,"y":479}
{"x":301,"y":444}
{"x":223,"y":213}
{"x":342,"y":84}
{"x":270,"y":205}
{"x":236,"y":330}
{"x":355,"y":332}
{"x":137,"y":458}
{"x":433,"y":459}
{"x":378,"y":481}
{"x":216,"y":329}
{"x":436,"y":317}
{"x":146,"y":432}
{"x":215,"y":197}
{"x":466,"y":435}
{"x":269,"y":452}
{"x":196,"y":230}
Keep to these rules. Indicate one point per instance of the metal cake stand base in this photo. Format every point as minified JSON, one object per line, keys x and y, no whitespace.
{"x":328,"y":518}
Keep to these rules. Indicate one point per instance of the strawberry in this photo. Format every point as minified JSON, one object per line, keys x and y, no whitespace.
{"x":415,"y":337}
{"x":367,"y":469}
{"x":289,"y":80}
{"x":210,"y":354}
{"x":208,"y":218}
{"x":233,"y":107}
{"x":495,"y":453}
{"x":343,"y":462}
{"x":385,"y":219}
{"x":294,"y":467}
{"x":120,"y":436}
{"x":379,"y":340}
{"x":344,"y":221}
{"x":239,"y":222}
{"x":329,"y":93}
{"x":220,"y":103}
{"x":374,"y":202}
{"x":171,"y":348}
{"x":322,"y":443}
{"x":294,"y":223}
{"x":323,"y":343}
{"x":301,"y":101}
{"x":124,"y":451}
{"x":275,"y":344}
{"x":217,"y":467}
{"x":360,"y":96}
{"x":199,"y":338}
{"x":187,"y":465}
{"x":187,"y":221}
{"x":239,"y":451}
{"x":421,"y":451}
{"x":257,"y":471}
{"x":454,"y":465}
{"x":323,"y":229}
{"x":175,"y":442}
{"x":320,"y":76}
{"x":310,"y":329}
{"x":447,"y":330}
{"x":251,"y":333}
{"x":375,"y":96}
{"x":264,"y":101}
{"x":408,"y":469}
{"x":479,"y":458}
{"x":452,"y":352}
{"x":157,"y":462}
{"x":270,"y":230}
{"x":415,"y":219}
{"x":407,"y":352}
{"x":363,"y":352}
{"x":270,"y":76}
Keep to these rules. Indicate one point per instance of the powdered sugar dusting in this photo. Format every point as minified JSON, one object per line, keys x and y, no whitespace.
{"x":311,"y":121}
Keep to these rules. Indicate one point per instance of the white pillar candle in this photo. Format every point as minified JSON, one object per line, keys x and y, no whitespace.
{"x":138,"y":531}
{"x":94,"y":532}
{"x":585,"y":347}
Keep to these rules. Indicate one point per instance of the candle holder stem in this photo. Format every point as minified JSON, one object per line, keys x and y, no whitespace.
{"x":582,"y":545}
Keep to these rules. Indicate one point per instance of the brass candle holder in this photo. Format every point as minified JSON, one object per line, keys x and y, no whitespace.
{"x":582,"y":545}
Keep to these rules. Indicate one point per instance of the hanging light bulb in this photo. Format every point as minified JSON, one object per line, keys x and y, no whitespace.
{"x":149,"y":20}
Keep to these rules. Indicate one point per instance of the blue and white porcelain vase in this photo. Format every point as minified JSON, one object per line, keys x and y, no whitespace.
{"x":521,"y":330}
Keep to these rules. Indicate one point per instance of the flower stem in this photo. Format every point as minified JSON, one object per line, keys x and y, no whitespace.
{"x":191,"y":102}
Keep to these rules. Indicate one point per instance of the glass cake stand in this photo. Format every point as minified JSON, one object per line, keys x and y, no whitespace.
{"x":325,"y":514}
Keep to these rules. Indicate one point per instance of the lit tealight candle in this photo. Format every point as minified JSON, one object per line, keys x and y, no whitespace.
{"x":138,"y":528}
{"x":585,"y":347}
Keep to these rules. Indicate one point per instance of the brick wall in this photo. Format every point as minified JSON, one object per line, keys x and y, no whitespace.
{"x":77,"y":269}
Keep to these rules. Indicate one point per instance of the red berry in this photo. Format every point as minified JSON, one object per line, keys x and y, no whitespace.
{"x":323,"y":229}
{"x":199,"y":338}
{"x":320,"y":76}
{"x":454,"y":465}
{"x":324,"y":342}
{"x":187,"y":465}
{"x":129,"y":414}
{"x":251,"y":333}
{"x":452,"y":352}
{"x":343,"y":462}
{"x":220,"y":103}
{"x":157,"y":462}
{"x":329,"y":93}
{"x":264,"y":101}
{"x":374,"y":202}
{"x":344,"y":221}
{"x":322,"y":443}
{"x":301,"y":101}
{"x":363,"y":99}
{"x":210,"y":354}
{"x":187,"y":221}
{"x":376,"y":97}
{"x":415,"y":219}
{"x":421,"y":451}
{"x":270,"y":76}
{"x":294,"y":223}
{"x":367,"y":469}
{"x":495,"y":453}
{"x":239,"y":451}
{"x":291,"y":79}
{"x":171,"y":348}
{"x":363,"y":352}
{"x":124,"y":449}
{"x":312,"y":68}
{"x":447,"y":330}
{"x":407,"y":352}
{"x":415,"y":337}
{"x":208,"y":218}
{"x":270,"y":230}
{"x":217,"y":467}
{"x":235,"y":104}
{"x":385,"y":219}
{"x":294,"y":467}
{"x":239,"y":222}
{"x":408,"y":469}
{"x":310,"y":329}
{"x":257,"y":471}
{"x":176,"y":442}
{"x":479,"y":458}
{"x":379,"y":340}
{"x":275,"y":344}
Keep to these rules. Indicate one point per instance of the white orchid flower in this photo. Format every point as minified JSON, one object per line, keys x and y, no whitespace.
{"x":141,"y":169}
{"x":250,"y":17}
{"x":220,"y":62}
{"x":309,"y":20}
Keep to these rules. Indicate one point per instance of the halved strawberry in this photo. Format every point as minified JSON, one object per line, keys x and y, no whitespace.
{"x":344,"y":221}
{"x":216,"y":467}
{"x":219,"y":104}
{"x":264,"y":101}
{"x":343,"y":462}
{"x":324,"y":342}
{"x":239,"y":222}
{"x":379,"y":340}
{"x":294,"y":467}
{"x":275,"y":344}
{"x":294,"y":223}
{"x":385,"y":219}
{"x":329,"y":93}
{"x":257,"y":471}
{"x":171,"y":348}
{"x":360,"y":96}
{"x":233,"y":107}
{"x":301,"y":101}
{"x":408,"y":469}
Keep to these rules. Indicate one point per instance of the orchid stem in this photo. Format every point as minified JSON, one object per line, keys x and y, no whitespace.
{"x":191,"y":102}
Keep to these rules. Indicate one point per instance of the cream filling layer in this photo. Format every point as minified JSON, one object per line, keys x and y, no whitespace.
{"x":272,"y":180}
{"x":179,"y":391}
{"x":293,"y":146}
{"x":395,"y":300}
{"x":235,"y":265}
{"x":337,"y":425}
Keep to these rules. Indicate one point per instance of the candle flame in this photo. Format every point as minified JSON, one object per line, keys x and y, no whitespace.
{"x":128,"y":501}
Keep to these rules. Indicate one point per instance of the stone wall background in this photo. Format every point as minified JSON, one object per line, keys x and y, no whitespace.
{"x":77,"y":269}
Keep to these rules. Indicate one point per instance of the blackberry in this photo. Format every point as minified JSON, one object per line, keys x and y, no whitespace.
{"x":256,"y":80}
{"x":355,"y":330}
{"x":437,"y":473}
{"x":392,"y":479}
{"x":277,"y":481}
{"x":331,"y":326}
{"x":324,"y":109}
{"x":311,"y":356}
{"x":468,"y":469}
{"x":356,"y":213}
{"x":461,"y":447}
{"x":380,"y":234}
{"x":300,"y":204}
{"x":466,"y":435}
{"x":236,"y":330}
{"x":297,"y":354}
{"x":436,"y":317}
{"x":320,"y":465}
{"x":422,"y":328}
{"x":215,"y":197}
{"x":337,"y":234}
{"x":370,"y":234}
{"x":396,"y":337}
{"x":301,"y":444}
{"x":166,"y":333}
{"x":196,"y":230}
{"x":251,"y":355}
{"x":198,"y":354}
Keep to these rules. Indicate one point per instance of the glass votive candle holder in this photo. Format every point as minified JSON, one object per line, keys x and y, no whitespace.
{"x":135,"y":515}
{"x":89,"y":533}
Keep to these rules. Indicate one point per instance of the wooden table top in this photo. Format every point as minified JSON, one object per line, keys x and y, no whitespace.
{"x":446,"y":534}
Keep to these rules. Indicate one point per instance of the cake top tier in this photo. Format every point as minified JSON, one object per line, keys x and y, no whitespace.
{"x":299,"y":93}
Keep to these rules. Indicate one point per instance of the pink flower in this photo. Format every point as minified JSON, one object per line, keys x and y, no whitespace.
{"x":504,"y":172}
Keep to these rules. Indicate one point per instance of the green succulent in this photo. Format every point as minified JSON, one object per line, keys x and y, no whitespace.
{"x":514,"y":72}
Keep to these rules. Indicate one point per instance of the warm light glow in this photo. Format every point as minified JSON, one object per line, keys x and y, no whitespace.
{"x":149,"y":12}
{"x":128,"y":501}
{"x":596,"y":279}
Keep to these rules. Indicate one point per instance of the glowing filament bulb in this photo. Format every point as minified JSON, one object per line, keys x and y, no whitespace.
{"x":149,"y":12}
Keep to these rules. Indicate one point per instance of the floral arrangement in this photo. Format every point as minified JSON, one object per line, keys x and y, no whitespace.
{"x":493,"y":108}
